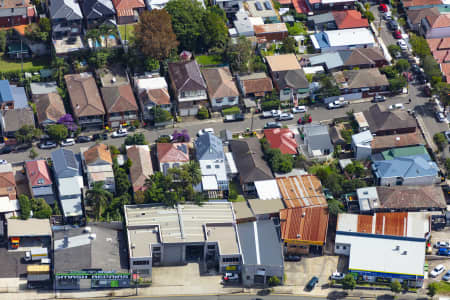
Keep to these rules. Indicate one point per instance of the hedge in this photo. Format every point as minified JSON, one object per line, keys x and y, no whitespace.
{"x":231,"y":111}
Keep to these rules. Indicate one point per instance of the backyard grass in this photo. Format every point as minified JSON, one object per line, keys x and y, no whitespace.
{"x":130,"y":31}
{"x":9,"y":65}
{"x":207,"y":60}
{"x":443,"y":288}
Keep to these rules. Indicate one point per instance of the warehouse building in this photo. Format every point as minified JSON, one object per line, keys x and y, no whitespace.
{"x":165,"y":236}
{"x":26,"y":234}
{"x":385,"y":246}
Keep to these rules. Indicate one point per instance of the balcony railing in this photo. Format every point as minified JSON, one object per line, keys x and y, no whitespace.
{"x":90,"y":120}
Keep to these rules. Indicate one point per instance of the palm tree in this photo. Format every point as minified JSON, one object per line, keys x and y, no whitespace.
{"x":94,"y":34}
{"x":106,"y":30}
{"x":61,"y":67}
{"x":193,"y":169}
{"x":99,"y":198}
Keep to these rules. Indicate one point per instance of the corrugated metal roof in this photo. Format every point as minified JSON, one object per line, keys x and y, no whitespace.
{"x":304,"y":224}
{"x":301,"y":191}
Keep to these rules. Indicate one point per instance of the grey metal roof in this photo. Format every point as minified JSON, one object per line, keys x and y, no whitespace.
{"x":260,"y":243}
{"x":331,"y":60}
{"x":65,"y":9}
{"x":322,"y":18}
{"x":20,"y":97}
{"x":65,"y":163}
{"x":71,"y":207}
{"x":318,"y":136}
{"x":209,"y":147}
{"x":39,"y":88}
{"x":94,"y":9}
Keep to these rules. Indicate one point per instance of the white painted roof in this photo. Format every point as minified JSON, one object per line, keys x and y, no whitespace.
{"x":209,"y":183}
{"x":7,"y":205}
{"x":267,"y":189}
{"x":150,"y":83}
{"x":345,"y":37}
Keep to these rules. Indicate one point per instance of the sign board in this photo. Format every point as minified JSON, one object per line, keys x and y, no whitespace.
{"x":300,"y":242}
{"x":92,"y":275}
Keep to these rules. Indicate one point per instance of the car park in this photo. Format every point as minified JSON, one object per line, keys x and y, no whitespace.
{"x":378,"y":98}
{"x":402,"y":44}
{"x":292,"y":258}
{"x":121,"y":132}
{"x":312,"y":283}
{"x":47,"y":144}
{"x":83,"y":139}
{"x":299,"y":109}
{"x":285,"y":117}
{"x":68,"y":142}
{"x":337,"y":276}
{"x":233,"y":118}
{"x":446,"y":276}
{"x":205,"y":130}
{"x":438,"y":270}
{"x":272,"y":125}
{"x":440,"y":117}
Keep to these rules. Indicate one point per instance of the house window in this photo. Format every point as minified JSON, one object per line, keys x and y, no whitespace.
{"x":286,"y":91}
{"x":337,"y":247}
{"x":217,"y":166}
{"x":40,"y":181}
{"x":208,"y":166}
{"x":219,"y":100}
{"x":326,"y":151}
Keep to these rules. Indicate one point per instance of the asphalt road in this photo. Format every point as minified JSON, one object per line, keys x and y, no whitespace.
{"x":338,"y":295}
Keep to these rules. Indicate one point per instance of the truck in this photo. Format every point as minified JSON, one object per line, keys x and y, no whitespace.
{"x":36,"y":254}
{"x":266,"y":114}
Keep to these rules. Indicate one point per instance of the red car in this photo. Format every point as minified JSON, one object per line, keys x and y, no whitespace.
{"x":304,"y":120}
{"x":398,"y":34}
{"x":383,"y":7}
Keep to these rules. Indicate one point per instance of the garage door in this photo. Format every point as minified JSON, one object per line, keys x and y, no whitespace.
{"x":193,"y":111}
{"x":173,"y":255}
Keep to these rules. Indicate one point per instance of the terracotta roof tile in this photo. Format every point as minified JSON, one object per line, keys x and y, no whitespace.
{"x":411,"y":197}
{"x":141,"y":167}
{"x":119,"y":98}
{"x":445,"y":67}
{"x":37,"y":172}
{"x":304,"y":224}
{"x":300,"y":6}
{"x":283,"y":139}
{"x":439,"y":21}
{"x":383,"y":142}
{"x":49,"y":107}
{"x":349,"y":19}
{"x":301,"y":191}
{"x":220,"y":83}
{"x":260,"y":85}
{"x":97,"y":152}
{"x":84,"y":95}
{"x":128,"y":4}
{"x":172,"y":152}
{"x":157,"y":96}
{"x":412,"y":3}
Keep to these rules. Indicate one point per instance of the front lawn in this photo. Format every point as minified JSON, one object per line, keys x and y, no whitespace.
{"x":13,"y":65}
{"x":207,"y":60}
{"x":129,"y":31}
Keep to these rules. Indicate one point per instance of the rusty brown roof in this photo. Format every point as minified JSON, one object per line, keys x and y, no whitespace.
{"x":96,"y":152}
{"x":257,"y":85}
{"x":307,"y":224}
{"x":382,"y":142}
{"x":392,"y":223}
{"x":49,"y":107}
{"x":84,"y":95}
{"x":157,"y":96}
{"x":301,"y":191}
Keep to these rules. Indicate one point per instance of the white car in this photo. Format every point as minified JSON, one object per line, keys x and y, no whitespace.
{"x":447,"y":135}
{"x":299,"y":109}
{"x":230,"y":276}
{"x":276,"y":113}
{"x":122,"y":132}
{"x":205,"y":130}
{"x":439,"y":269}
{"x":442,"y":244}
{"x":402,"y":44}
{"x":3,"y":162}
{"x":440,"y":117}
{"x":68,"y":142}
{"x":285,"y":117}
{"x":396,"y":106}
{"x":337,"y":104}
{"x":337,"y":276}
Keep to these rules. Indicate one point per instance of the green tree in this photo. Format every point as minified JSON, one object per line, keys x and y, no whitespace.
{"x":94,"y":35}
{"x":154,"y":34}
{"x":3,"y":40}
{"x":369,"y":16}
{"x":56,"y":211}
{"x":98,"y":198}
{"x":106,"y":30}
{"x":334,"y":207}
{"x":160,"y":115}
{"x":99,"y":59}
{"x":402,"y":65}
{"x":257,"y":64}
{"x":396,"y":287}
{"x":274,"y":281}
{"x":41,"y":210}
{"x":396,"y":84}
{"x":139,"y":197}
{"x":123,"y":183}
{"x":327,"y":87}
{"x":44,"y":24}
{"x":187,"y":23}
{"x":394,"y":49}
{"x":151,"y":64}
{"x":192,"y":168}
{"x":216,"y":31}
{"x":431,"y":67}
{"x":289,"y":45}
{"x":60,"y":68}
{"x":440,"y":140}
{"x":136,"y":139}
{"x":160,"y":190}
{"x":238,"y":54}
{"x":27,"y":133}
{"x":25,"y":207}
{"x":433,"y":288}
{"x":33,"y":153}
{"x":57,"y":132}
{"x":389,"y":71}
{"x":203,"y":113}
{"x":419,"y":45}
{"x":349,"y":282}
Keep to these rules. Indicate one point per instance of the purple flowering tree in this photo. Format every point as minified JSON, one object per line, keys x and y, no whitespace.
{"x":181,"y":137}
{"x":67,"y":120}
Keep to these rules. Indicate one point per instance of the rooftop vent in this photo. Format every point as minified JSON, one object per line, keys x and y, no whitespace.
{"x":397,"y":248}
{"x":404,"y":252}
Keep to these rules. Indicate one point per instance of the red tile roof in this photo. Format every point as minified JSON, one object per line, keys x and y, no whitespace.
{"x":304,"y":224}
{"x":445,"y":67}
{"x":349,"y":19}
{"x":412,"y":3}
{"x":300,"y":6}
{"x":439,"y":21}
{"x":172,"y":152}
{"x":37,"y":172}
{"x":283,"y":139}
{"x":128,"y":4}
{"x":141,"y":167}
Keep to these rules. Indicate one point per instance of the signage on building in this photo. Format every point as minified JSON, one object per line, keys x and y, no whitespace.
{"x":92,"y":275}
{"x":300,"y":242}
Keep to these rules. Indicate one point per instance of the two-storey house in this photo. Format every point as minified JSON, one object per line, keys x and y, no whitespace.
{"x":152,"y":91}
{"x":39,"y":180}
{"x":98,"y":12}
{"x":188,"y":87}
{"x":66,"y":18}
{"x":97,"y":165}
{"x":222,"y":90}
{"x":87,"y":106}
{"x":16,"y":12}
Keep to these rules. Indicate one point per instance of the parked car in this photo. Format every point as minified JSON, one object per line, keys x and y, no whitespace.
{"x":441,"y":244}
{"x":379,"y":98}
{"x":299,"y":109}
{"x":272,"y":125}
{"x":397,"y":34}
{"x":233,"y":118}
{"x":444,"y":251}
{"x":396,"y":106}
{"x":446,"y":276}
{"x":337,"y":104}
{"x":415,"y":68}
{"x":168,"y":137}
{"x":68,"y":142}
{"x":304,"y":120}
{"x":3,"y":161}
{"x":47,"y":144}
{"x":22,"y":147}
{"x":392,"y":25}
{"x":122,"y":132}
{"x":447,"y":135}
{"x":205,"y":130}
{"x":383,"y":7}
{"x":285,"y":117}
{"x":402,"y":44}
{"x":312,"y":283}
{"x":6,"y":149}
{"x":337,"y":276}
{"x":439,"y":269}
{"x":230,"y":276}
{"x":276,"y":113}
{"x":83,"y":139}
{"x":387,"y":16}
{"x":440,"y":117}
{"x":100,"y":136}
{"x":292,"y":258}
{"x":266,"y":114}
